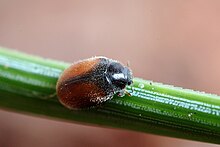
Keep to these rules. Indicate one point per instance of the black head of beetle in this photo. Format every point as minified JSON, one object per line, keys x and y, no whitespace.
{"x":119,"y":75}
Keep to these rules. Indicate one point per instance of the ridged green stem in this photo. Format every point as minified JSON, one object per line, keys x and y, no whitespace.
{"x":27,"y":85}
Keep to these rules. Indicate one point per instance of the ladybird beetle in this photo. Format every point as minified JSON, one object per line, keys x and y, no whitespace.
{"x":92,"y":81}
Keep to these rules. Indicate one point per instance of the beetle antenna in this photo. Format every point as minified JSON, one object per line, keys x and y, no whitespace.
{"x":128,"y":63}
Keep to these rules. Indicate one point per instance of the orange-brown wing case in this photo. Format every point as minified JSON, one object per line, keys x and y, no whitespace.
{"x":75,"y":92}
{"x":78,"y":68}
{"x":80,"y":95}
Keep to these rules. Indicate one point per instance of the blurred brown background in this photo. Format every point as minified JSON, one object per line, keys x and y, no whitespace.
{"x":173,"y":41}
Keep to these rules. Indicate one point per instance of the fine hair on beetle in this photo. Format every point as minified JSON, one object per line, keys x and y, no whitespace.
{"x":92,"y":81}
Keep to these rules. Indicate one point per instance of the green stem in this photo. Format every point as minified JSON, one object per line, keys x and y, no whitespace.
{"x":27,"y":85}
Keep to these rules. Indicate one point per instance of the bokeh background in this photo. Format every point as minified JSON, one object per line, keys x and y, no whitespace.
{"x":174,"y":41}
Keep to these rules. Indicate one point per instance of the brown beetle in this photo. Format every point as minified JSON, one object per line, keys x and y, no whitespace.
{"x":92,"y":81}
